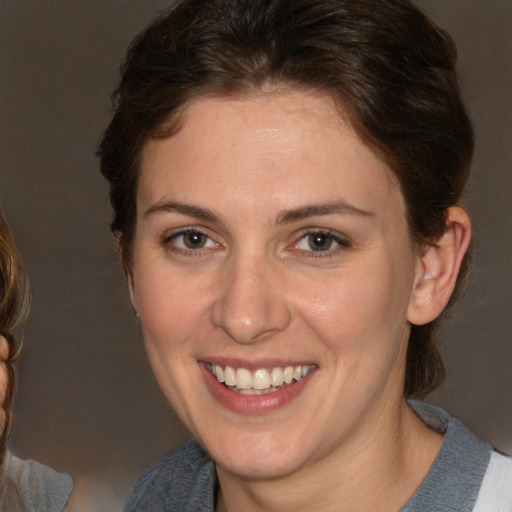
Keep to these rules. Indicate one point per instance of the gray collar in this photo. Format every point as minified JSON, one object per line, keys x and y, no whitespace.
{"x":453,"y":482}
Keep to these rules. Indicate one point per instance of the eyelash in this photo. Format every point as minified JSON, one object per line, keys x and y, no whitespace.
{"x":169,"y":242}
{"x":342,"y":243}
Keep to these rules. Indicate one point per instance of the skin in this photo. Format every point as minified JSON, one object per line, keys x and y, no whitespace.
{"x":256,"y":294}
{"x":4,"y":354}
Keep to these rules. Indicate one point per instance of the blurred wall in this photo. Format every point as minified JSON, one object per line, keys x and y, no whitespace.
{"x":87,"y":402}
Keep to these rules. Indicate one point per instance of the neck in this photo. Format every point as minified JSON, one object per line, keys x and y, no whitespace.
{"x":390,"y":461}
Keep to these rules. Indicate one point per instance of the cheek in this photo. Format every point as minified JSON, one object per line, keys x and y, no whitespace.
{"x":352,"y":311}
{"x":171,"y":308}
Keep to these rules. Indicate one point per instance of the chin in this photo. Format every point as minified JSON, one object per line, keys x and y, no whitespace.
{"x":258,"y":458}
{"x":256,"y":468}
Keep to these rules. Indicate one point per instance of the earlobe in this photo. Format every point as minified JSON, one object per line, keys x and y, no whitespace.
{"x":438,"y":268}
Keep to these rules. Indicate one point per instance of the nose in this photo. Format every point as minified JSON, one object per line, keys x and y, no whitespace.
{"x":250,"y":306}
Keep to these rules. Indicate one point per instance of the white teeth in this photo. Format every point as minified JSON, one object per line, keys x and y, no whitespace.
{"x":243,"y":379}
{"x":219,"y":373}
{"x":257,"y":391}
{"x":277,"y":377}
{"x":288,"y":374}
{"x":229,"y":376}
{"x":260,"y":381}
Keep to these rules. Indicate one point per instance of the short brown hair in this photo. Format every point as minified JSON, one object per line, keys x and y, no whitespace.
{"x":384,"y":61}
{"x":14,"y":303}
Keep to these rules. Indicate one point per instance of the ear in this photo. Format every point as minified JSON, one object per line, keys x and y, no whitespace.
{"x":126,"y":268}
{"x":438,"y":267}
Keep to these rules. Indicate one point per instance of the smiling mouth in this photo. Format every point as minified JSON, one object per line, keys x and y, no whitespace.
{"x":261,"y":381}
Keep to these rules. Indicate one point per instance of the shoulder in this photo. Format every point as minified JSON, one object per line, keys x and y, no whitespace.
{"x":468,"y":474}
{"x":456,"y":476}
{"x":28,"y":485}
{"x":183,"y":480}
{"x":496,"y":490}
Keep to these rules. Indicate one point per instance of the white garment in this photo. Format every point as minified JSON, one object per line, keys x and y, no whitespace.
{"x":495,"y":494}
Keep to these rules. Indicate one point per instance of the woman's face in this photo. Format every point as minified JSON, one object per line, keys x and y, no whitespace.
{"x":272,"y":246}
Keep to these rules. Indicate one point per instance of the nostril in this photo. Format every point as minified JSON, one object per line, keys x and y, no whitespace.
{"x":250,"y":321}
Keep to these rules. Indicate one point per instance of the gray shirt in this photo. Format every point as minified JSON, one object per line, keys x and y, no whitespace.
{"x":186,"y":481}
{"x":27,"y":486}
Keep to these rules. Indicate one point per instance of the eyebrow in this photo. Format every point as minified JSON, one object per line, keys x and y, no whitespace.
{"x":185,"y":209}
{"x":284,"y":217}
{"x":314,"y":210}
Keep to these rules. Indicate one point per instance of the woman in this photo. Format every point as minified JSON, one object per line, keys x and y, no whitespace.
{"x":25,"y":485}
{"x":285,"y":178}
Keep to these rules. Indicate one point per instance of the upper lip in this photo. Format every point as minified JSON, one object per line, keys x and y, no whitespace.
{"x":255,"y":364}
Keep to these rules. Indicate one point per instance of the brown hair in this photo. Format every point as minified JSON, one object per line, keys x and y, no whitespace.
{"x":14,"y":303}
{"x":384,"y":61}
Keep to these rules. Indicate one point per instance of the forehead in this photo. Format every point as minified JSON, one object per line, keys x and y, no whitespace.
{"x":294,"y":144}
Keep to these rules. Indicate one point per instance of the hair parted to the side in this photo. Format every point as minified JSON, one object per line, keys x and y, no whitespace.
{"x":390,"y":69}
{"x":14,"y":304}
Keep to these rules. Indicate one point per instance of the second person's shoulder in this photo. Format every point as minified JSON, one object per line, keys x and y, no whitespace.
{"x":178,"y":478}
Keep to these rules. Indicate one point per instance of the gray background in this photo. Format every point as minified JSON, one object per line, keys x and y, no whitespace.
{"x":87,"y":402}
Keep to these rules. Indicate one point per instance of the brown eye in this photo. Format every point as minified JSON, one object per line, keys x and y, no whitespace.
{"x":191,"y":240}
{"x":194,"y":240}
{"x":320,"y":241}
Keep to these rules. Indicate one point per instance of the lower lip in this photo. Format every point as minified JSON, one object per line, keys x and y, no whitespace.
{"x":253,"y":404}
